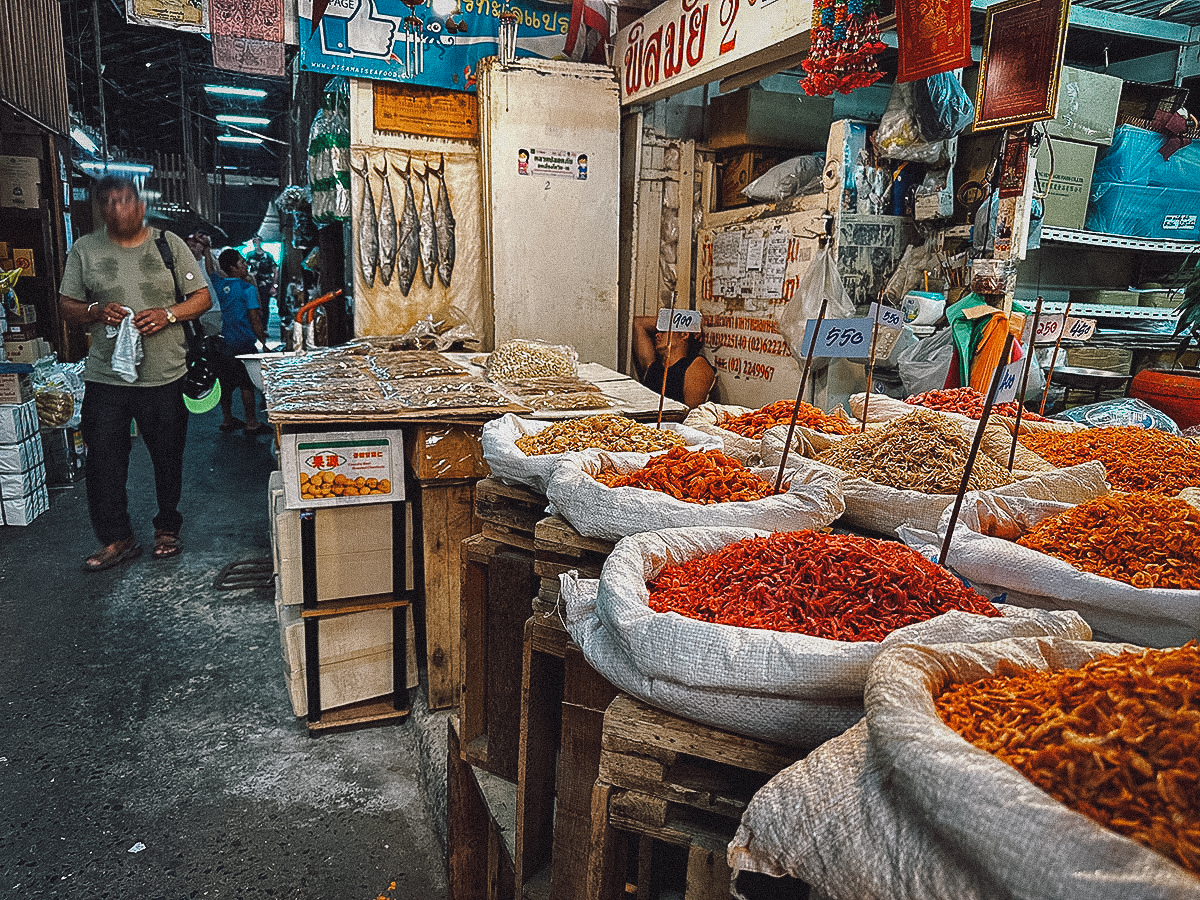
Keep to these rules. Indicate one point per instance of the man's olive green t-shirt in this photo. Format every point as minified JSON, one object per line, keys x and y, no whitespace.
{"x":102,"y":271}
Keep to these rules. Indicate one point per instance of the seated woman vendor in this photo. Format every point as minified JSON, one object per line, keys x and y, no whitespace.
{"x":689,"y":376}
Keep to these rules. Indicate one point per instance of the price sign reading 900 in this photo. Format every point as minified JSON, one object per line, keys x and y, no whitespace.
{"x":681,"y":320}
{"x":850,"y":338}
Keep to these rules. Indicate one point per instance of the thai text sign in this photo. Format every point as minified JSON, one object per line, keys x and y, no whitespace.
{"x":686,"y":42}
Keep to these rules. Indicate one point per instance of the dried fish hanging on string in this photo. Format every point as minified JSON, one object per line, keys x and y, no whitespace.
{"x":428,"y":233}
{"x":407,"y":252}
{"x":387,"y":227}
{"x":368,"y":225}
{"x":443,"y":218}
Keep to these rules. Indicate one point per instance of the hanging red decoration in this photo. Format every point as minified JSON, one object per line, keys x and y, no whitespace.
{"x":845,"y":42}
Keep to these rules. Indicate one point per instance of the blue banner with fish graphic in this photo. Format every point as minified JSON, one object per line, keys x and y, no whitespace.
{"x":436,"y":43}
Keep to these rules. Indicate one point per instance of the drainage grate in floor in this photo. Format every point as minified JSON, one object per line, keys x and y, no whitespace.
{"x":246,"y":573}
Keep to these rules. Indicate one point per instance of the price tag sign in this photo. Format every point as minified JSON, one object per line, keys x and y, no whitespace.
{"x":849,"y":338}
{"x":683,"y":320}
{"x":1049,"y":328}
{"x":1010,"y":378}
{"x":892,"y":318}
{"x":1080,"y":329}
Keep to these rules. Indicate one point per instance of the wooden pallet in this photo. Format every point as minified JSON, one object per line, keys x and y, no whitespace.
{"x":559,"y":548}
{"x":509,"y":513}
{"x":665,"y":778}
{"x":498,"y":586}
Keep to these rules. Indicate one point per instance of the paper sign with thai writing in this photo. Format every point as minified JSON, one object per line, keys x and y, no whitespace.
{"x":687,"y":42}
{"x":679,"y":320}
{"x":438,"y":43}
{"x":848,"y":338}
{"x":431,"y":112}
{"x":183,"y":15}
{"x":556,"y":163}
{"x":752,"y":359}
{"x":750,"y":262}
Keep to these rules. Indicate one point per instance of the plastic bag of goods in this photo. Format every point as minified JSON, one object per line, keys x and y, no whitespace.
{"x":1121,"y":411}
{"x":743,"y":430}
{"x":329,"y":154}
{"x":520,"y":359}
{"x":526,"y":451}
{"x":606,"y":497}
{"x":771,"y":635}
{"x":1032,"y":768}
{"x":791,"y":178}
{"x":908,"y":472}
{"x":1128,"y":563}
{"x":1134,"y":459}
{"x":58,"y":389}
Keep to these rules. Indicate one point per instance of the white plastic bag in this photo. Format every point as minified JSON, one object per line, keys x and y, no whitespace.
{"x":820,"y":281}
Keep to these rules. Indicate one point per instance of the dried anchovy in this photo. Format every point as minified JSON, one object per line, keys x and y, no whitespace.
{"x":1142,"y":539}
{"x":1117,"y":740}
{"x":519,"y":359}
{"x":607,"y":431}
{"x":1135,"y":459}
{"x":920,"y":451}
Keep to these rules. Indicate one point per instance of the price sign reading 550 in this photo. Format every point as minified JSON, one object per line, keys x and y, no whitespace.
{"x":850,"y":338}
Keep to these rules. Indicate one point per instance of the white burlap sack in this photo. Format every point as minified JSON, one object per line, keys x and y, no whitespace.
{"x":882,"y":408}
{"x":707,"y":417}
{"x":510,"y":464}
{"x":901,"y":807}
{"x":806,"y":688}
{"x":812,"y":500}
{"x":882,"y":509}
{"x":1153,"y":617}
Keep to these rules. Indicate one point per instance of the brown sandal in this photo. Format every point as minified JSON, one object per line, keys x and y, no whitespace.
{"x":166,"y":544}
{"x":112,"y":555}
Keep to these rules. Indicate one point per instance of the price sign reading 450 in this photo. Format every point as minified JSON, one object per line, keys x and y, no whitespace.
{"x":849,"y":338}
{"x":681,"y":320}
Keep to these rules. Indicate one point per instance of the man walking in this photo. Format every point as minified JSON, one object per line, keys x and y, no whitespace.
{"x":241,"y":324}
{"x":117,"y":283}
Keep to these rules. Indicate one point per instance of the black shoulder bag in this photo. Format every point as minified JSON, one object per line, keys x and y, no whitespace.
{"x":201,"y":372}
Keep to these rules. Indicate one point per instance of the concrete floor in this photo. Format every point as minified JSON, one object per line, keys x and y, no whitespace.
{"x":141,"y":707}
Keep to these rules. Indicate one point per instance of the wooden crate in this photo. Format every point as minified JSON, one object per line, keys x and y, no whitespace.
{"x":498,"y":586}
{"x":559,"y":548}
{"x":668,"y":779}
{"x":442,"y":452}
{"x":509,"y":513}
{"x":478,"y":829}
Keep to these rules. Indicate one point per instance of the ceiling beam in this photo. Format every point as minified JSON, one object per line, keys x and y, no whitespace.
{"x":1117,"y":23}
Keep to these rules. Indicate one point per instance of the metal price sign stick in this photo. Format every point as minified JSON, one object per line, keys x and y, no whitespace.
{"x":976,"y":441}
{"x":1037,"y":314}
{"x":871,"y":362}
{"x":1054,"y":357}
{"x":662,"y":394}
{"x":800,"y":393}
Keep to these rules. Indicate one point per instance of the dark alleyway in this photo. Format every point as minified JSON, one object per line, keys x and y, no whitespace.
{"x":141,"y":706}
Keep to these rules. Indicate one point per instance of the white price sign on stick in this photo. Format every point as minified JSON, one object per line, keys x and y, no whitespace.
{"x":849,"y":338}
{"x":1049,"y":327}
{"x":1010,"y":379}
{"x":889,"y":317}
{"x":679,"y":320}
{"x":1080,"y":329}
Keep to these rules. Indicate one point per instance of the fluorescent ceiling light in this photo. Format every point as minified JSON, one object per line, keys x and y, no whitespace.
{"x":228,"y":91}
{"x":238,"y":139}
{"x":244,"y":120}
{"x":81,"y":138}
{"x":122,"y":168}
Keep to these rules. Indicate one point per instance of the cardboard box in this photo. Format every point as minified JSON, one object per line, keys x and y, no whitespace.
{"x":18,"y":421}
{"x":448,"y":452}
{"x":1087,"y":104}
{"x":21,"y":457}
{"x":355,"y":657}
{"x":24,"y":509}
{"x":758,"y":117}
{"x":26,"y":351}
{"x":14,"y":485}
{"x":354,"y":552}
{"x":738,"y":170}
{"x":1067,"y":196}
{"x":16,"y":383}
{"x":20,"y":331}
{"x":375,"y":456}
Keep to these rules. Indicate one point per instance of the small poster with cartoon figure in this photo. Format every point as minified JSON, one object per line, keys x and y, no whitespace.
{"x":559,"y":163}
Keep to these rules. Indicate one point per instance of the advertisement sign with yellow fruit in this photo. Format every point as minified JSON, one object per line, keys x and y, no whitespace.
{"x":342,"y":467}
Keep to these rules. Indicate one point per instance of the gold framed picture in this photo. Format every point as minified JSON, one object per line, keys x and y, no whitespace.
{"x":1022,"y":61}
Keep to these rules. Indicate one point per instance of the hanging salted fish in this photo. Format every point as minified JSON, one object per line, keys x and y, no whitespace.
{"x":443,"y":218}
{"x":387,"y":227}
{"x":407,"y":251}
{"x":368,"y":233}
{"x":429,"y":241}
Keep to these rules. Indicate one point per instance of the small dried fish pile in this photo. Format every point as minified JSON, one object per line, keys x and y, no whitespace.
{"x":1142,"y":539}
{"x":755,"y":423}
{"x":693,"y":476}
{"x":1117,"y":740}
{"x":1135,"y":459}
{"x":518,"y":360}
{"x":920,"y":451}
{"x":607,"y":431}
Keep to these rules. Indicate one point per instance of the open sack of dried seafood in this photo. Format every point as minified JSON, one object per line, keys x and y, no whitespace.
{"x":526,"y":451}
{"x":742,"y":429}
{"x":771,"y":634}
{"x":963,"y":403}
{"x":1032,"y":768}
{"x":606,"y":496}
{"x":1128,"y":563}
{"x":908,"y":472}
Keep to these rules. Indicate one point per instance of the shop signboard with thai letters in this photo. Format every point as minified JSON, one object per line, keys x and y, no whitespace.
{"x":682,"y":43}
{"x":438,"y":44}
{"x":20,"y":177}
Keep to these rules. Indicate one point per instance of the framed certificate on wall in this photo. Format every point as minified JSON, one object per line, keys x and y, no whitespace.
{"x":1022,"y":61}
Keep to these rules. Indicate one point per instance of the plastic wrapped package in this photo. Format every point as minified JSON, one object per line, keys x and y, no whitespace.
{"x":795,"y":177}
{"x":329,"y":154}
{"x":820,"y":282}
{"x":1121,"y":411}
{"x":943,"y":108}
{"x":899,"y":133}
{"x":521,"y":358}
{"x":903,"y":807}
{"x":58,"y":389}
{"x":788,"y":687}
{"x":925,"y":365}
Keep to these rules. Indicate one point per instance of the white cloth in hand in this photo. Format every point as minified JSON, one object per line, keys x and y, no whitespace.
{"x":127,"y":352}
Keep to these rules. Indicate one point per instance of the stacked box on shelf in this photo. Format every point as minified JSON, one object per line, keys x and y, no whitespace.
{"x":23,"y":492}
